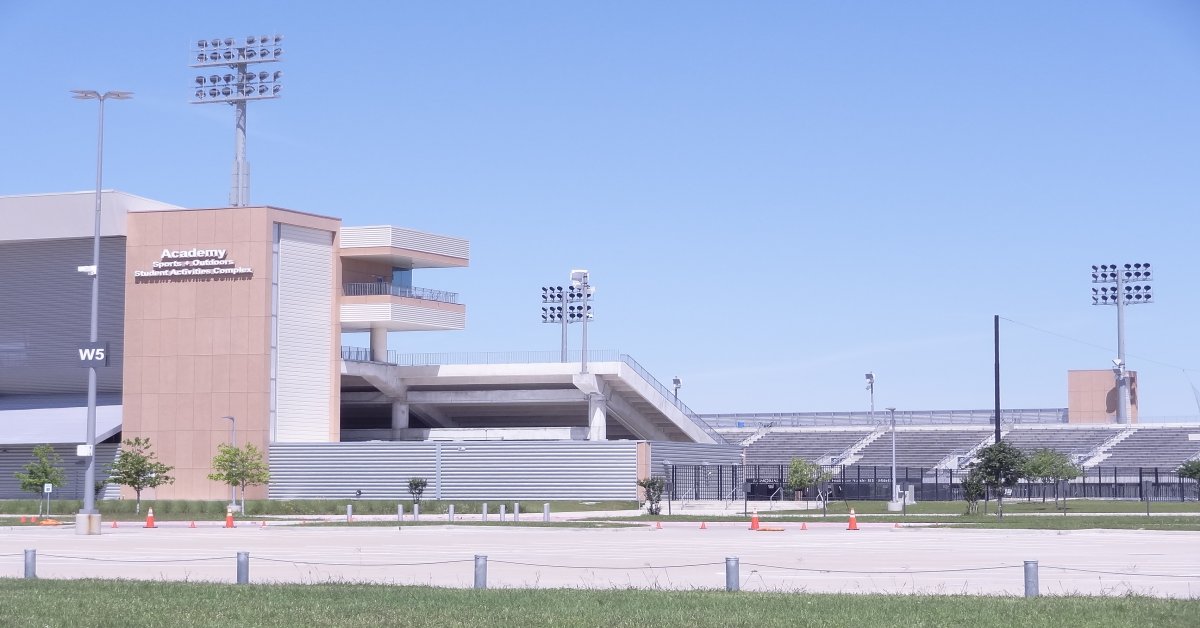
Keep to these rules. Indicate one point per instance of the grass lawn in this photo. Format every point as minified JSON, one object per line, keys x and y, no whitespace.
{"x":128,"y":603}
{"x":508,"y":524}
{"x":1029,"y":522}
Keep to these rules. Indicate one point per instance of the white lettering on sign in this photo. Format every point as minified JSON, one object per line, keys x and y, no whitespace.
{"x":194,"y":263}
{"x":193,"y":253}
{"x":92,"y":353}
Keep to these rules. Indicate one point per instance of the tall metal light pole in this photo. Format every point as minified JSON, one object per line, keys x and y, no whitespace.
{"x":871,"y":389}
{"x":233,"y":442}
{"x":1132,"y":287}
{"x":556,"y":313}
{"x":581,"y":293}
{"x":895,"y":492}
{"x":88,"y":521}
{"x":237,"y":90}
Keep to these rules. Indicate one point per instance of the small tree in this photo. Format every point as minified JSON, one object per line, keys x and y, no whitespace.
{"x":654,"y":490}
{"x":45,"y":468}
{"x":1048,"y":466}
{"x":241,"y":467}
{"x":416,"y":486}
{"x":1001,"y":466}
{"x":974,"y":489}
{"x":1191,"y":470}
{"x":803,"y":474}
{"x":137,"y":468}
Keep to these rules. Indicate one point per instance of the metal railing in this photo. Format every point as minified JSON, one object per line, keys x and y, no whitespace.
{"x":914,"y":417}
{"x":387,"y":289}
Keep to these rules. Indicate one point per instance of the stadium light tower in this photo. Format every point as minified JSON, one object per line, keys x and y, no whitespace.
{"x":237,"y":85}
{"x":88,"y":520}
{"x":871,"y":389}
{"x":569,"y":305}
{"x":1132,"y":286}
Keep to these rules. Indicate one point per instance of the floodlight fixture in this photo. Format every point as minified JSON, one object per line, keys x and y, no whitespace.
{"x":1130,"y":287}
{"x":237,"y":87}
{"x":569,"y":304}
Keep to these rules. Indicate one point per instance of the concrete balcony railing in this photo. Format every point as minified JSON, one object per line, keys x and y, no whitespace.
{"x":386,"y":289}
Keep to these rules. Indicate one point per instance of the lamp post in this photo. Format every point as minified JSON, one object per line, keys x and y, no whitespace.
{"x":678,"y":383}
{"x":233,"y":441}
{"x":88,"y":514}
{"x":871,"y":390}
{"x":1132,"y":287}
{"x":895,"y":493}
{"x":582,"y":292}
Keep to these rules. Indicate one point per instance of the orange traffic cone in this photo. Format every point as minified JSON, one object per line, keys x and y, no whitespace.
{"x":192,"y":524}
{"x":803,"y":525}
{"x":657,"y":525}
{"x":33,"y":519}
{"x":853,"y":521}
{"x":754,"y":521}
{"x":114,"y":523}
{"x":150,"y":518}
{"x":22,"y":518}
{"x":229,"y":518}
{"x":264,"y":524}
{"x":703,"y":526}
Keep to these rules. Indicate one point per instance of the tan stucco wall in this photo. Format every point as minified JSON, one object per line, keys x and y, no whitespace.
{"x":199,"y":349}
{"x":1092,"y":397}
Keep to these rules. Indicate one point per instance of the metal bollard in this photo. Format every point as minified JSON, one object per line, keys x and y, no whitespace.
{"x":399,"y":513}
{"x":480,"y":572}
{"x":30,"y":564}
{"x":484,"y":511}
{"x":416,"y":512}
{"x":731,"y":574}
{"x":516,"y":511}
{"x":349,"y":513}
{"x":1031,"y":578}
{"x":546,"y":512}
{"x":243,"y":567}
{"x":450,"y":514}
{"x":503,"y":512}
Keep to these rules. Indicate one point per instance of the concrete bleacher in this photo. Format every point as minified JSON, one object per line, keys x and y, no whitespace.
{"x":779,"y":446}
{"x":736,"y":436}
{"x":920,"y":447}
{"x":1073,"y":441}
{"x":1164,"y":448}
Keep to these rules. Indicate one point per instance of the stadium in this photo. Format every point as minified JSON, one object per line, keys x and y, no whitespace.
{"x":226,"y":324}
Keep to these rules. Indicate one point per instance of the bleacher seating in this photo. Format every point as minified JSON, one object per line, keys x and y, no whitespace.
{"x":779,"y":447}
{"x":1164,"y":448}
{"x":736,"y":436}
{"x":1068,"y":440}
{"x":923,"y":448}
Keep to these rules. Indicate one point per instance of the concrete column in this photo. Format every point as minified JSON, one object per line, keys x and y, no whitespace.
{"x":399,"y":415}
{"x":597,"y":417}
{"x":379,"y":346}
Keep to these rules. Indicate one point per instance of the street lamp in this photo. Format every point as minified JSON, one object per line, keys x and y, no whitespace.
{"x":678,"y":384}
{"x":895,"y":493}
{"x":1132,"y":287}
{"x":233,"y":441}
{"x":237,"y":90}
{"x":88,"y":521}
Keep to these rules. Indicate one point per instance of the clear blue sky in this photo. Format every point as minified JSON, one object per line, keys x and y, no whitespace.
{"x":773,"y":197}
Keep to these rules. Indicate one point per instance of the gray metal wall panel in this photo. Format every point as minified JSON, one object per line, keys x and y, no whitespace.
{"x":45,"y":306}
{"x":305,"y":343}
{"x":467,"y":470}
{"x":13,"y":458}
{"x":691,"y":453}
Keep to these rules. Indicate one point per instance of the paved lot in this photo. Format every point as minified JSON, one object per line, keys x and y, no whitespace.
{"x":826,"y":558}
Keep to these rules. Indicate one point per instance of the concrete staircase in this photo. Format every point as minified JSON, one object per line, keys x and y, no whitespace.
{"x":1097,"y":455}
{"x":851,"y":455}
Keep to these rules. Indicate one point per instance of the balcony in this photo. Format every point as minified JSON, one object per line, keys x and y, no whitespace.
{"x":367,"y":306}
{"x":385,"y":289}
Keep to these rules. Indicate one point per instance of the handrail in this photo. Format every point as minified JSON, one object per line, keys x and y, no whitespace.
{"x":387,"y":289}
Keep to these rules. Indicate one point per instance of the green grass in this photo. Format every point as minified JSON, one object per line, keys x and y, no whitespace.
{"x":128,"y":603}
{"x":507,"y":524}
{"x":1010,"y":521}
{"x":182,"y":510}
{"x":1010,"y":506}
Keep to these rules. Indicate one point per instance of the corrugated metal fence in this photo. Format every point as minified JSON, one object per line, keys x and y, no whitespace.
{"x":455,"y":470}
{"x":13,"y":458}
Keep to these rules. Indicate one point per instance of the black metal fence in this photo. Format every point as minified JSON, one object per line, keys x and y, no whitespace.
{"x":858,"y":482}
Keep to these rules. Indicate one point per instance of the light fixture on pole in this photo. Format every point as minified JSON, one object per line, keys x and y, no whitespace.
{"x":1132,"y":286}
{"x":569,"y":305}
{"x":237,"y":86}
{"x":88,"y":521}
{"x":895,"y":491}
{"x":233,"y":442}
{"x":871,"y":390}
{"x":678,"y":383}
